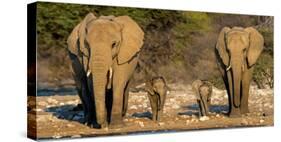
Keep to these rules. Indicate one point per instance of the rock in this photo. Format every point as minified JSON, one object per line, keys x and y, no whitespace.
{"x":126,"y":120}
{"x":172,"y":99}
{"x":218,"y":115}
{"x":161,"y":124}
{"x":145,"y":105}
{"x":76,"y":136}
{"x":70,"y":125}
{"x":204,"y":118}
{"x":42,"y":103}
{"x":194,"y":120}
{"x":57,"y":136}
{"x":141,"y":124}
{"x":261,"y":121}
{"x":52,"y":101}
{"x":175,"y":106}
{"x":185,"y":116}
{"x":244,"y":122}
{"x":193,"y":116}
{"x":70,"y":103}
{"x":61,"y":104}
{"x":187,"y":122}
{"x":38,"y":109}
{"x":133,"y":107}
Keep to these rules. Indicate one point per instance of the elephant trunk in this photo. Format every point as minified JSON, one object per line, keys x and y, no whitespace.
{"x":162,"y":97}
{"x":236,"y":74}
{"x":99,"y":67}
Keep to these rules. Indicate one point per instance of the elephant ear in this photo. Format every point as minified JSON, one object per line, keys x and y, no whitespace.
{"x":132,"y":39}
{"x":149,"y":87}
{"x":221,"y":46}
{"x":82,"y":31}
{"x":72,"y":41}
{"x":255,"y":47}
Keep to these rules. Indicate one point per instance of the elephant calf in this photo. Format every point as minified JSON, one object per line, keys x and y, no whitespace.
{"x":203,"y":91}
{"x":157,"y":91}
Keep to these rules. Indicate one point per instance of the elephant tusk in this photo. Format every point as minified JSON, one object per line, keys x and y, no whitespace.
{"x":88,"y":73}
{"x":228,"y":68}
{"x":110,"y":73}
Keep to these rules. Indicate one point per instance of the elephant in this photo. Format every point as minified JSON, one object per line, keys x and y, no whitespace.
{"x":104,"y":52}
{"x":157,"y":90}
{"x":237,"y":50}
{"x":203,"y":90}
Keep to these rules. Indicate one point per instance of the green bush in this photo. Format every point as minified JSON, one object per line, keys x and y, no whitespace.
{"x":178,"y":44}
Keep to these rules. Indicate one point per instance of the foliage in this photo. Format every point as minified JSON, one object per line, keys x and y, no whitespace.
{"x":263,"y":72}
{"x":178,"y":45}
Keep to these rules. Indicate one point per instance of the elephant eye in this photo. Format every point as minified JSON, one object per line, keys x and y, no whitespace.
{"x":114,"y":44}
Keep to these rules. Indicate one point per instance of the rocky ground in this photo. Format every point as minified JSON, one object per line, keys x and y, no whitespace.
{"x":57,"y":118}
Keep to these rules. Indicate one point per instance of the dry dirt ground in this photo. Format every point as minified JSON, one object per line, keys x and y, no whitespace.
{"x":56,"y":118}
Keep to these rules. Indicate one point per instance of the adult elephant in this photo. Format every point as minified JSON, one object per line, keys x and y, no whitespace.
{"x":237,"y":51}
{"x":104,"y":53}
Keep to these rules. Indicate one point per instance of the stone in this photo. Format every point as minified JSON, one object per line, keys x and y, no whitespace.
{"x":70,"y":125}
{"x":261,"y":121}
{"x":161,"y":124}
{"x":76,"y":136}
{"x":141,"y":124}
{"x":52,"y":101}
{"x":57,"y":136}
{"x":204,"y":118}
{"x":244,"y":122}
{"x":38,"y":109}
{"x":175,"y":106}
{"x":133,"y":107}
{"x":42,"y":103}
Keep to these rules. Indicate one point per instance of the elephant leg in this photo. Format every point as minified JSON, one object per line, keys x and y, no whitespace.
{"x":117,"y":105}
{"x":154,"y":104}
{"x":84,"y":106}
{"x":246,"y":81}
{"x":121,"y":75}
{"x":159,"y":114}
{"x":78,"y":75}
{"x":233,"y":111}
{"x":108,"y":102}
{"x":205,"y":105}
{"x":87,"y":103}
{"x":200,"y":112}
{"x":126,"y":99}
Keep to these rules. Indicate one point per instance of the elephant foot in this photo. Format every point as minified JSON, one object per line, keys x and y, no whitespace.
{"x":245,"y":110}
{"x":123,"y":113}
{"x":95,"y":126}
{"x":116,"y":125}
{"x":79,"y":107}
{"x":235,"y":113}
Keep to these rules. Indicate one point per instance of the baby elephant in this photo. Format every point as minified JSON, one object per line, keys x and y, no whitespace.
{"x":203,"y":91}
{"x":157,"y":91}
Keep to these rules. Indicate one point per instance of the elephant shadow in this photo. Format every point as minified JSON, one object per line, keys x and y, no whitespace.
{"x":146,"y":114}
{"x":68,"y":112}
{"x":190,"y":110}
{"x":194,"y":109}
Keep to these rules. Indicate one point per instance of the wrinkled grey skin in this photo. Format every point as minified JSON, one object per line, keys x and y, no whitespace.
{"x":157,"y":92}
{"x":203,"y":90}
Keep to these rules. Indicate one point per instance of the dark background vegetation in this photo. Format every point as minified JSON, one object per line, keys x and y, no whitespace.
{"x":179,"y":45}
